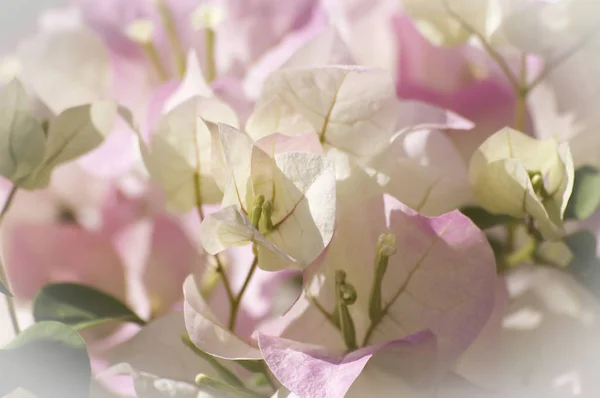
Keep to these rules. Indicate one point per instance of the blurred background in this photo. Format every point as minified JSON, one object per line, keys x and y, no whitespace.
{"x":19,"y":17}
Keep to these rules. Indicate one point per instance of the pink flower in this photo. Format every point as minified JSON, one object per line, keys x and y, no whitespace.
{"x":423,"y":302}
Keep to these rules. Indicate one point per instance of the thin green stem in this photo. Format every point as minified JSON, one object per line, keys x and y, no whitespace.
{"x":220,"y":268}
{"x":523,"y":254}
{"x":171,"y":30}
{"x":500,"y":61}
{"x":9,"y":300}
{"x":522,"y":94}
{"x":235,"y":306}
{"x":227,"y":375}
{"x":211,"y":62}
{"x":154,"y":59}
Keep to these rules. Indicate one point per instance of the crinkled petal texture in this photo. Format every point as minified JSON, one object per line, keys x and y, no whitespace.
{"x":301,"y":188}
{"x":351,"y":108}
{"x":312,"y":372}
{"x":500,"y":171}
{"x":442,"y":278}
{"x":178,"y":156}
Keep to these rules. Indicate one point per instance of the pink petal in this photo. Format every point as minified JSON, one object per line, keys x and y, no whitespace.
{"x":443,"y":77}
{"x":41,"y":254}
{"x":312,"y":372}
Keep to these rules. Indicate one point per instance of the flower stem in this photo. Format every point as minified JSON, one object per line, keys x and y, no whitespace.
{"x":211,"y":62}
{"x":171,"y":31}
{"x":523,"y":254}
{"x":522,"y":94}
{"x":9,"y":300}
{"x":500,"y":61}
{"x":227,"y":375}
{"x":220,"y":268}
{"x":154,"y":59}
{"x":235,"y":305}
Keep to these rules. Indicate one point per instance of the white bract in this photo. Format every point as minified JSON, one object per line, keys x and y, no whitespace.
{"x":283,"y":202}
{"x":178,"y":156}
{"x":352,"y":109}
{"x":30,"y":151}
{"x":443,"y":21}
{"x":514,"y":174}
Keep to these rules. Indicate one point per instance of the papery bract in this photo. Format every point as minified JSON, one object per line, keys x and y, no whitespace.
{"x":442,"y":279}
{"x":300,"y":188}
{"x":514,"y":174}
{"x":179,"y":153}
{"x":340,"y":104}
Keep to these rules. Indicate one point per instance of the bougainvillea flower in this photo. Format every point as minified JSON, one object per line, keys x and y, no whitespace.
{"x":514,"y":174}
{"x":284,"y":202}
{"x":427,"y":274}
{"x":355,"y":114}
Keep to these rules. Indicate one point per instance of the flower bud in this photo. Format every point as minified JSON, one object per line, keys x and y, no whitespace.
{"x":207,"y":16}
{"x":267,"y":213}
{"x":517,"y":175}
{"x":140,"y":31}
{"x":255,"y":215}
{"x":386,"y":247}
{"x":345,"y":295}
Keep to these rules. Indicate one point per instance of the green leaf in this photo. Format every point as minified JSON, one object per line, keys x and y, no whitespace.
{"x":80,"y":306}
{"x":49,"y":359}
{"x":484,"y":219}
{"x":582,"y":244}
{"x":4,"y":290}
{"x":585,"y":198}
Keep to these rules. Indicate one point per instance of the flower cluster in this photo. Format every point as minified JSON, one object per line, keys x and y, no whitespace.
{"x":312,"y":198}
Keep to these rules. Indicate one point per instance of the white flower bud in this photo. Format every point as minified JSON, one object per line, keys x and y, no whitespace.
{"x":514,"y":174}
{"x":140,"y":31}
{"x":207,"y":16}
